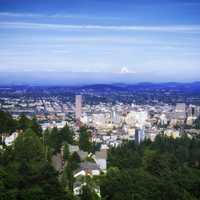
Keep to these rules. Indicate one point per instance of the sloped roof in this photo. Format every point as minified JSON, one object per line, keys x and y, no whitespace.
{"x":88,"y":166}
{"x":101,"y":154}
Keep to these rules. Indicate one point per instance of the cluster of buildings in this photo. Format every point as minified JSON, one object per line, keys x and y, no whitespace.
{"x":49,"y":111}
{"x":92,"y":165}
{"x":115,"y":123}
{"x":109,"y":124}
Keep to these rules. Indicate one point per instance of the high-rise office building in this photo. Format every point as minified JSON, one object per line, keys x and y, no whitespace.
{"x":193,"y":111}
{"x":180,"y":111}
{"x":139,"y":135}
{"x":78,"y":108}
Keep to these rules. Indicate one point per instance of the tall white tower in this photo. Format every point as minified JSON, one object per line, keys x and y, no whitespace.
{"x":78,"y":108}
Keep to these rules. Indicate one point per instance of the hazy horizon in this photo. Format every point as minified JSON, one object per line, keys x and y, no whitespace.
{"x":47,"y":78}
{"x":116,"y":41}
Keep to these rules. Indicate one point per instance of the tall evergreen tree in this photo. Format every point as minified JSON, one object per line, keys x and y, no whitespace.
{"x":25,"y":173}
{"x":84,"y":140}
{"x":7,"y":123}
{"x":35,"y":126}
{"x":66,"y":134}
{"x":24,"y":122}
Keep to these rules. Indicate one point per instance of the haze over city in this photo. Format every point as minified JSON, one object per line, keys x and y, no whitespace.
{"x":99,"y":99}
{"x":68,"y":42}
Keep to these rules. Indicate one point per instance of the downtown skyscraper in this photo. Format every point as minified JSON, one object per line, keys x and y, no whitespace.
{"x":78,"y":108}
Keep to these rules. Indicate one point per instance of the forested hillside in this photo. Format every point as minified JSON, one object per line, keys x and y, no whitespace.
{"x":166,"y":169}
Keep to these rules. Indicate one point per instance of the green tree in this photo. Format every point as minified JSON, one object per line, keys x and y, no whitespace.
{"x":35,"y":126}
{"x":7,"y":123}
{"x":74,"y":161}
{"x":66,"y":152}
{"x":84,"y":140}
{"x":73,"y":164}
{"x":28,"y":147}
{"x":25,"y":174}
{"x":24,"y":122}
{"x":88,"y":194}
{"x":197,"y":123}
{"x":66,"y":134}
{"x":124,"y":156}
{"x":53,"y":140}
{"x":169,"y":169}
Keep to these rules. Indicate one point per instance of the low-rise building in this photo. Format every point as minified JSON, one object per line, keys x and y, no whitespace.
{"x":10,"y":139}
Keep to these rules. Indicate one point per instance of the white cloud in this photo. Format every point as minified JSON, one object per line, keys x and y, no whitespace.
{"x":13,"y":14}
{"x":51,"y":16}
{"x":172,"y":28}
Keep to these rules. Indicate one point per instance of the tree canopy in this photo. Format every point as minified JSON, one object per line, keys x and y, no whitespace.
{"x":26,"y":174}
{"x":7,"y":123}
{"x":166,"y":169}
{"x":84,"y":139}
{"x":162,"y":170}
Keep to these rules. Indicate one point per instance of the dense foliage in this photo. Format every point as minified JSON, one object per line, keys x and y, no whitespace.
{"x":25,"y":174}
{"x":55,"y":138}
{"x":84,"y":140}
{"x":25,"y":171}
{"x":7,"y":123}
{"x":166,"y":169}
{"x":161,"y":170}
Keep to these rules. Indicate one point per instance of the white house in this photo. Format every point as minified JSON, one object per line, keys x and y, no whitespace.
{"x":73,"y":148}
{"x":101,"y":159}
{"x":10,"y":139}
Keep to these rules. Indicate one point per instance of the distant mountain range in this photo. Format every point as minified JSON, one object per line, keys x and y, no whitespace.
{"x":189,"y":87}
{"x":192,"y":88}
{"x":46,"y":78}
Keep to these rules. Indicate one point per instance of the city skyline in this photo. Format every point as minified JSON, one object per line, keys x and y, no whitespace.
{"x":154,"y":41}
{"x":99,"y":99}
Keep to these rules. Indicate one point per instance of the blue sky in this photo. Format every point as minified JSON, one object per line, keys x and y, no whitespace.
{"x":106,"y":36}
